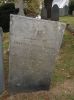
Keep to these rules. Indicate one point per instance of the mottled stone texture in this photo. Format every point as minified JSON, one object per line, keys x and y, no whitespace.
{"x":34,"y":45}
{"x":1,"y":64}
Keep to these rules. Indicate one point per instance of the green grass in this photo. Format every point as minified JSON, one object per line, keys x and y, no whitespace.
{"x":67,"y":19}
{"x":65,"y":63}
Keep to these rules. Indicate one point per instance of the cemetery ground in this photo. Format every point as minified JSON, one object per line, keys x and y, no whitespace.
{"x":62,"y":85}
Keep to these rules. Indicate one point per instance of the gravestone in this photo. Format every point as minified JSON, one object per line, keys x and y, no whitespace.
{"x":1,"y":65}
{"x":66,"y":10}
{"x":34,"y":45}
{"x":72,"y":13}
{"x":43,"y":13}
{"x":55,"y":13}
{"x":61,"y":11}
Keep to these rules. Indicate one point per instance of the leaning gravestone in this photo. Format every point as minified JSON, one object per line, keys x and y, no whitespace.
{"x":55,"y":13}
{"x":34,"y":45}
{"x":1,"y":65}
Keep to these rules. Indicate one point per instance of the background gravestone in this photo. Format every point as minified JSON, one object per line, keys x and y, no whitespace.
{"x":43,"y":13}
{"x":55,"y":13}
{"x":32,"y":52}
{"x":66,"y":10}
{"x":1,"y":64}
{"x":62,"y":11}
{"x":72,"y":13}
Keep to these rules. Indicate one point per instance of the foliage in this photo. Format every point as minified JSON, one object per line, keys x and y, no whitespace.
{"x":71,"y":7}
{"x":33,"y":6}
{"x":5,"y":11}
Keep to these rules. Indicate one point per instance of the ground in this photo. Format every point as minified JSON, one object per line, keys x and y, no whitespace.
{"x":62,"y":86}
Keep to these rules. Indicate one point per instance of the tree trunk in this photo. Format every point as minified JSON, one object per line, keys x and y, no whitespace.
{"x":48,"y":5}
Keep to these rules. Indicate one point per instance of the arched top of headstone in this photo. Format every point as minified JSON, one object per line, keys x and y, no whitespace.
{"x":55,"y":6}
{"x":61,"y":3}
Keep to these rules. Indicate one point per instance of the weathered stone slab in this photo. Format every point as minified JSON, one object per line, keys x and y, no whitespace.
{"x":34,"y":45}
{"x":1,"y":64}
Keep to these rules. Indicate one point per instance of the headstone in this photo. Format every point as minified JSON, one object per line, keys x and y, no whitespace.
{"x":43,"y":13}
{"x":62,"y":11}
{"x":66,"y":10}
{"x":55,"y":13}
{"x":72,"y":13}
{"x":1,"y":65}
{"x":34,"y":45}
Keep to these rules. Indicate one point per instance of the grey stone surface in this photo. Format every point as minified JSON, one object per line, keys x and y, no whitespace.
{"x":34,"y":45}
{"x":55,"y":13}
{"x":1,"y":65}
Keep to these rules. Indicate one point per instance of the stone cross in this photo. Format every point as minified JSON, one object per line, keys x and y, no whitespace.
{"x":20,"y":4}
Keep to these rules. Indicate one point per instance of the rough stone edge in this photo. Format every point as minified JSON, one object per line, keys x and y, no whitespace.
{"x":30,"y":18}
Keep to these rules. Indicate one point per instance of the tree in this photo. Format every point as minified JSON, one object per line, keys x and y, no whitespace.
{"x":48,"y":5}
{"x":33,"y":6}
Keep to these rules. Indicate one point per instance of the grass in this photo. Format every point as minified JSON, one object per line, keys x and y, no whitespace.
{"x":67,"y":19}
{"x":65,"y":63}
{"x":62,"y":86}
